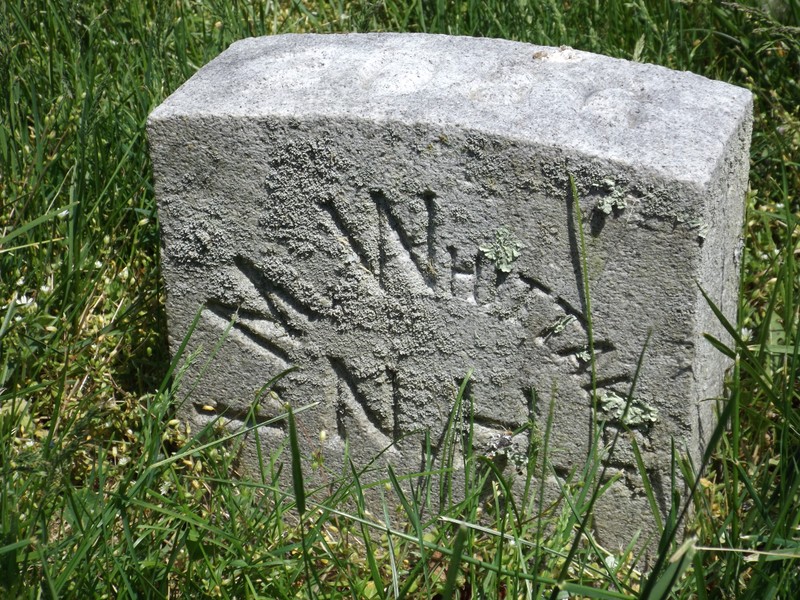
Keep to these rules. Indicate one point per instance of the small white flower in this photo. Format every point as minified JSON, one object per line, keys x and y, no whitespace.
{"x":63,"y":214}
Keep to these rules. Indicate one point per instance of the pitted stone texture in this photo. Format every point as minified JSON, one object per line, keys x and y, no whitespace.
{"x":332,"y":195}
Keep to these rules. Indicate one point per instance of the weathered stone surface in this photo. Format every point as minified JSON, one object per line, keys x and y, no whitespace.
{"x":389,"y":211}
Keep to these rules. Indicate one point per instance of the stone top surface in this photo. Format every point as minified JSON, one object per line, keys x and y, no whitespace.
{"x":672,"y":123}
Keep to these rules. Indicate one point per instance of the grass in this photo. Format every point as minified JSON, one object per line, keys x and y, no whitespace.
{"x":103,"y":493}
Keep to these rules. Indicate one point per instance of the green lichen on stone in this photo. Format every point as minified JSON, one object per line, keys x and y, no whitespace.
{"x":508,"y":447}
{"x":559,"y":326}
{"x":615,"y":198}
{"x":638,"y":413}
{"x":701,"y":227}
{"x":503,"y":251}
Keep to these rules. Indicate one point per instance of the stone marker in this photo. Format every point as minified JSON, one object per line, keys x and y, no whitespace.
{"x":390,"y":211}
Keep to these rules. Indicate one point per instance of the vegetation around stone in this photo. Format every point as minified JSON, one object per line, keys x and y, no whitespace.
{"x":104,"y":493}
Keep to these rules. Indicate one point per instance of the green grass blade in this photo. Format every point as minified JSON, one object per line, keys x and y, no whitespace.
{"x":678,"y":563}
{"x":297,"y":466}
{"x":369,"y":552}
{"x":453,"y":568}
{"x":23,"y":229}
{"x":648,"y":487}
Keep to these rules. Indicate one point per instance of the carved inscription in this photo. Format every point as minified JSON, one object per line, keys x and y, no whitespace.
{"x":385,"y":309}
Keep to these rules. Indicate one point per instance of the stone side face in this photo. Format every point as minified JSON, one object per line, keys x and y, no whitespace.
{"x":388,"y":212}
